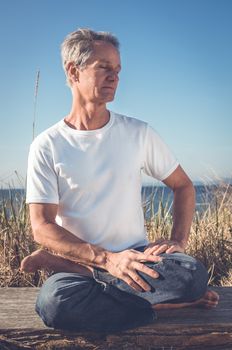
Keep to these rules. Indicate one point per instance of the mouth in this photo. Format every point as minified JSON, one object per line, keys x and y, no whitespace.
{"x":109,"y":87}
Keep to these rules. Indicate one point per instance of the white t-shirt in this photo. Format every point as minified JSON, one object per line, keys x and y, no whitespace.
{"x":95,"y":178}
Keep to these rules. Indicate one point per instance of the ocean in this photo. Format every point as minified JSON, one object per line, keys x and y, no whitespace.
{"x":150,"y":194}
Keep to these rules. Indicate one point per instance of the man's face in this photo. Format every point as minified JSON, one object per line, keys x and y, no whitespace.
{"x":97,"y":82}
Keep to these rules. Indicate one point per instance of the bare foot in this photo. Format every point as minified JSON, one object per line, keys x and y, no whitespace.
{"x":208,"y":301}
{"x":43,"y":260}
{"x":36,"y":261}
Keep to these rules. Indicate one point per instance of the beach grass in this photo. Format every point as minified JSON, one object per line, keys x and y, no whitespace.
{"x":16,"y":242}
{"x":210,"y":239}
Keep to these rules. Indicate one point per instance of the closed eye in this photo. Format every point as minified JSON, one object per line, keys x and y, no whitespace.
{"x":110,"y":69}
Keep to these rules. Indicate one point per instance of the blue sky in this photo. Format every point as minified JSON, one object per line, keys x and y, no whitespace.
{"x":177,"y":74}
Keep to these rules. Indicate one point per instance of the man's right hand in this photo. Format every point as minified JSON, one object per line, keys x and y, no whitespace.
{"x":126,"y":264}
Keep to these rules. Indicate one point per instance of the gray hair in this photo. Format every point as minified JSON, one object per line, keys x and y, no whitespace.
{"x":78,"y":46}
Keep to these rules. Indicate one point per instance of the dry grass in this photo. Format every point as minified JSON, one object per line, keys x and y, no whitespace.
{"x":16,"y":242}
{"x":211,"y":234}
{"x":210,"y":238}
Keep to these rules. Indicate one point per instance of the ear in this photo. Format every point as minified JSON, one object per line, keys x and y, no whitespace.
{"x":72,"y":71}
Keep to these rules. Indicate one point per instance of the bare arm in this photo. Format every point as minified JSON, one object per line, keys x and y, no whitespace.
{"x":123,"y":265}
{"x":54,"y":237}
{"x":183,"y":205}
{"x":183,"y":209}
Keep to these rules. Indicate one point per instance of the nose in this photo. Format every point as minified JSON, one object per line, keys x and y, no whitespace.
{"x":113,"y":76}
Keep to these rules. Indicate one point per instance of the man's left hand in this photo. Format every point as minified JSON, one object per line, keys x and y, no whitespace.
{"x":164,"y":246}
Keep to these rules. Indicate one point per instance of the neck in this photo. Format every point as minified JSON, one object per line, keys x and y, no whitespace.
{"x":87,"y":116}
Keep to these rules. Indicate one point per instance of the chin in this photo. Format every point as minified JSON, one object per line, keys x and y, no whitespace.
{"x":105,"y":99}
{"x":110,"y":99}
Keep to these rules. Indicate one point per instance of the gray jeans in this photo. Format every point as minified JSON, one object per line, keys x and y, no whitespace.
{"x":182,"y":278}
{"x":71,"y":301}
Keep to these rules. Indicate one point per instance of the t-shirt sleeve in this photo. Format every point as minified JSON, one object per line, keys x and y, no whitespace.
{"x":159,"y":161}
{"x":42,"y":185}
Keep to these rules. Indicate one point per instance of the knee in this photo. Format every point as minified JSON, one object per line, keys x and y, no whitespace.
{"x":199,"y":282}
{"x":62,"y":302}
{"x":189,"y":276}
{"x":195,"y":285}
{"x":48,"y":305}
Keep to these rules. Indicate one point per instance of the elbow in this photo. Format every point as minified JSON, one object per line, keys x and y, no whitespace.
{"x":189,"y":185}
{"x":37,"y":230}
{"x":42,"y":216}
{"x":42,"y":232}
{"x":192,"y":188}
{"x":36,"y":235}
{"x":192,"y":193}
{"x":187,"y":188}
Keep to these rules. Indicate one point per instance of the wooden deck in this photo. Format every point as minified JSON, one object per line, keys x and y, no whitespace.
{"x":198,"y":329}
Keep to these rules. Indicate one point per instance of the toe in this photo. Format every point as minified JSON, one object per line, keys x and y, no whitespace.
{"x":211,"y":295}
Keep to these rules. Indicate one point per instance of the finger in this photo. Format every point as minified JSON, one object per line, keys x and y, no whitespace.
{"x":153,"y":258}
{"x":131,"y":282}
{"x":158,"y":246}
{"x":174,"y":248}
{"x":158,"y":249}
{"x":145,"y":257}
{"x":161,"y":249}
{"x":145,"y":269}
{"x":211,"y":303}
{"x":155,"y":248}
{"x":139,"y":281}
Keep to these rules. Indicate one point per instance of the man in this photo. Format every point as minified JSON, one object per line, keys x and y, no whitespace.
{"x":84,"y":191}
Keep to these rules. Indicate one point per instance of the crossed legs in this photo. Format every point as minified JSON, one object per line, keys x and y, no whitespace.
{"x":42,"y":259}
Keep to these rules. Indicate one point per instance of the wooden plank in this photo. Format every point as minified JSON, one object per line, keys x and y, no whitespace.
{"x":17,"y":307}
{"x":49,"y":339}
{"x":17,"y":311}
{"x":174,"y":330}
